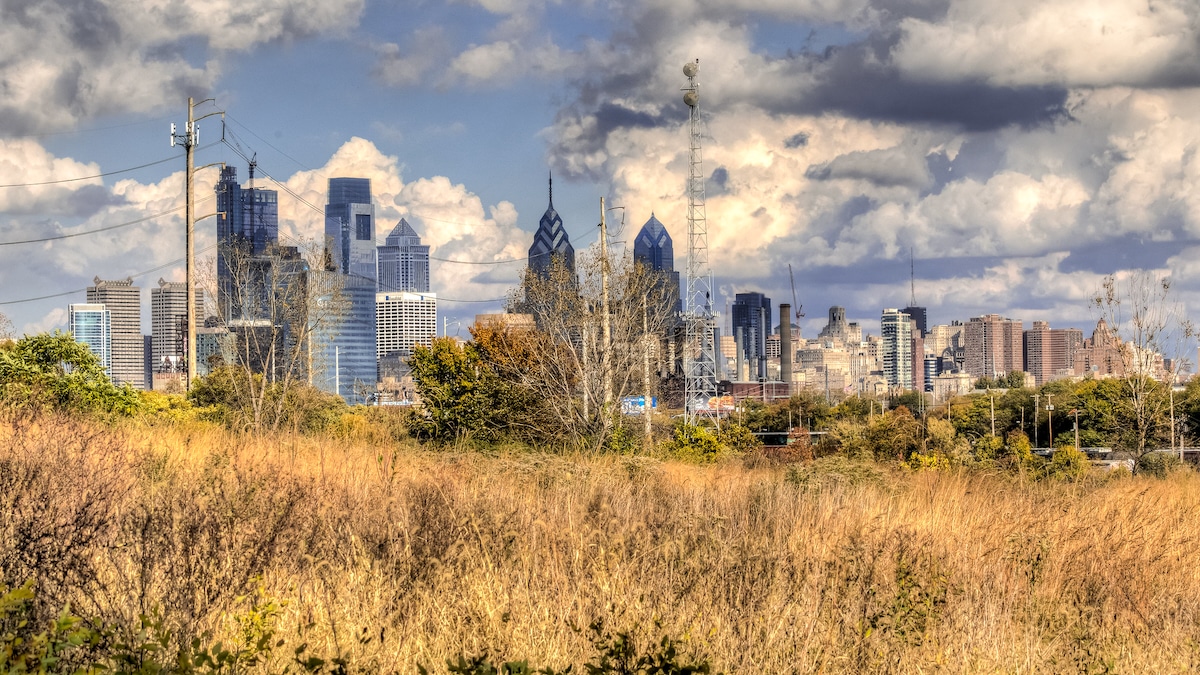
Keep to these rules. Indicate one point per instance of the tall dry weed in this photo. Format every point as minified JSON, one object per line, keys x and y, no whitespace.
{"x":834,"y":567}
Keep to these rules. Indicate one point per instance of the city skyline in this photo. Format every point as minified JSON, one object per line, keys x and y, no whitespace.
{"x":1019,"y":165}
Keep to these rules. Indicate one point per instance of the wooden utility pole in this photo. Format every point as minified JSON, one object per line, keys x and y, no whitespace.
{"x":606,"y":327}
{"x":646,"y":369}
{"x":190,"y":137}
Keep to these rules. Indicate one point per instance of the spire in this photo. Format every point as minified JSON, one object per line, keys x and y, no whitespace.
{"x":551,"y":188}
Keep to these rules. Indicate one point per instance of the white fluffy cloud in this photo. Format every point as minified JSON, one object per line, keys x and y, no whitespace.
{"x":1077,"y":43}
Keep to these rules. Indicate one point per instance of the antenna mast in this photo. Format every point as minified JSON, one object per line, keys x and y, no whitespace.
{"x":912,"y":278}
{"x":699,"y":354}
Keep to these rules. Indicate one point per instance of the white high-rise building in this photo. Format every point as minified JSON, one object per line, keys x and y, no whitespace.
{"x":91,"y":324}
{"x":404,"y":320}
{"x":896,"y":329}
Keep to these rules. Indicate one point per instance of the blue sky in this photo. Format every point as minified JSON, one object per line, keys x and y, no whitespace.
{"x":1022,"y":150}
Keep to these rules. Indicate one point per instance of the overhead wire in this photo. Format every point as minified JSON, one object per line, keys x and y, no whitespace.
{"x":134,"y":276}
{"x":101,"y":175}
{"x":106,"y":227}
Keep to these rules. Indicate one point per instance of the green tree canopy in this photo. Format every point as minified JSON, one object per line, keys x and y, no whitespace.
{"x":53,"y":370}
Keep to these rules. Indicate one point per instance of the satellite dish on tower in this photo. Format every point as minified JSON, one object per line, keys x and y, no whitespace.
{"x":691,"y":98}
{"x":691,"y":68}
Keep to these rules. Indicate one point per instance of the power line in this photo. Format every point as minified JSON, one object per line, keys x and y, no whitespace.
{"x":102,"y":229}
{"x":69,"y":132}
{"x":99,"y":175}
{"x":82,"y":290}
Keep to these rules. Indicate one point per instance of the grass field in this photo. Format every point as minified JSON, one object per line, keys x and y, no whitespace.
{"x":832,"y":566}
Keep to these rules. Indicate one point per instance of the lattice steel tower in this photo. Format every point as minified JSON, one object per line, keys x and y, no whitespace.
{"x":699,"y":354}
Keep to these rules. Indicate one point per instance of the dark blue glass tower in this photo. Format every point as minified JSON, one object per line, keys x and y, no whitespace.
{"x":654,"y":249}
{"x":247,"y":225}
{"x":550,"y":242}
{"x":752,"y":315}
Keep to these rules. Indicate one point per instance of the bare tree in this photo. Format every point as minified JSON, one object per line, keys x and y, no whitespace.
{"x":274,"y":306}
{"x":578,"y":368}
{"x":7,"y":332}
{"x":1149,"y":324}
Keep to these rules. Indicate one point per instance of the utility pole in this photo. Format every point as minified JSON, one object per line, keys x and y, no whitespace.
{"x":606,"y":327}
{"x":992,"y":397}
{"x":190,"y":137}
{"x":646,"y":369}
{"x":1036,"y":400}
{"x":1076,"y":413}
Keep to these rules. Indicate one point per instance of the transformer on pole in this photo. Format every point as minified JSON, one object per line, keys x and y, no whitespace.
{"x":699,"y":353}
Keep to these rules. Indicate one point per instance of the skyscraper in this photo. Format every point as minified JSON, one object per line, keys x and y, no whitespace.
{"x":1050,"y":352}
{"x":404,"y":320}
{"x":168,"y":325}
{"x":653,"y":248}
{"x":896,"y":329}
{"x":124,"y":303}
{"x":403,"y":261}
{"x":348,"y":362}
{"x":550,"y":242}
{"x":919,"y":315}
{"x":91,"y":324}
{"x":752,"y":318}
{"x":247,"y":226}
{"x":993,"y":346}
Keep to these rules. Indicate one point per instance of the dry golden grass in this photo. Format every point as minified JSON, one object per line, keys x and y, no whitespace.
{"x":831,"y":567}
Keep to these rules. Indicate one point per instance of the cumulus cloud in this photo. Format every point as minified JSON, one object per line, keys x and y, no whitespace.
{"x":1075,"y":43}
{"x":65,"y":60}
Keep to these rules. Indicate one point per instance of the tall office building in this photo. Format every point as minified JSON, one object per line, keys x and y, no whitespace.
{"x":896,"y":329}
{"x":836,"y":328}
{"x":919,"y":315}
{"x":404,"y":320}
{"x":347,"y":361}
{"x":752,"y":318}
{"x":247,"y":226}
{"x":993,"y":346}
{"x":550,"y":242}
{"x":168,"y":325}
{"x":91,"y":324}
{"x":653,"y":248}
{"x":403,"y":261}
{"x":1050,"y":352}
{"x":124,"y":303}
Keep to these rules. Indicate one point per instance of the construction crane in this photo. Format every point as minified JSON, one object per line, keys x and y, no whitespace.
{"x":796,"y":303}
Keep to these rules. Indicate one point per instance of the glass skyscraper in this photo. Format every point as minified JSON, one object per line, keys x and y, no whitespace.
{"x":247,"y":226}
{"x":347,"y":363}
{"x":550,"y":242}
{"x":654,"y":249}
{"x":91,"y":324}
{"x":403,"y":261}
{"x":752,"y":316}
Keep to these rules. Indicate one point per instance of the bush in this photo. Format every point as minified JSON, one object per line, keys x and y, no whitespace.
{"x":1067,"y":464}
{"x":1158,"y":464}
{"x":694,"y":443}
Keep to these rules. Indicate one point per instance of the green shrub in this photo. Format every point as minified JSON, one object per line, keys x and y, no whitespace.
{"x":1159,"y":464}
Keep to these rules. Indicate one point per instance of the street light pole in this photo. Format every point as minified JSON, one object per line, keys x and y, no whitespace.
{"x":1036,"y":400}
{"x":1076,"y":413}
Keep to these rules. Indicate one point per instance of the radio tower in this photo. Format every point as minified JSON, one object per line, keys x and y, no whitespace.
{"x":699,"y":354}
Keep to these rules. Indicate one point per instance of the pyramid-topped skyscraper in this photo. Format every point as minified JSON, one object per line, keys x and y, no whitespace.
{"x":654,"y":249}
{"x":403,"y":261}
{"x":550,"y":242}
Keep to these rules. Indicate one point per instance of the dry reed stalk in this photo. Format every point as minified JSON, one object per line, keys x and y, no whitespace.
{"x":436,"y":554}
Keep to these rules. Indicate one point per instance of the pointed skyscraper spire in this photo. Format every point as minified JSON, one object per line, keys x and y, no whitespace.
{"x":551,"y":189}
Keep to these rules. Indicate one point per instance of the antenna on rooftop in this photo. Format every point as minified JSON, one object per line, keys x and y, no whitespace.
{"x":912,"y":277}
